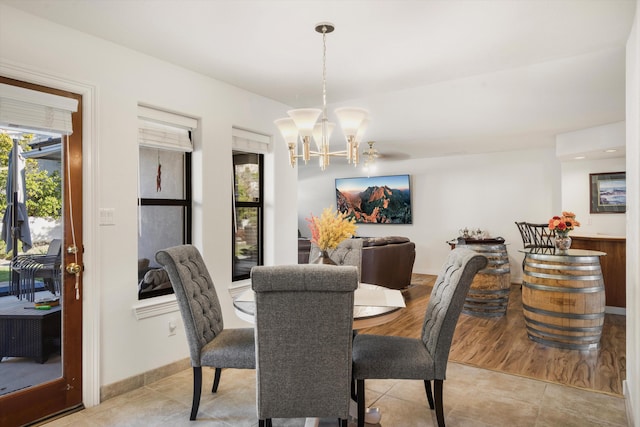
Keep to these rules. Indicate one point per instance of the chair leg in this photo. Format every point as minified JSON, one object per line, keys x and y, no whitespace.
{"x":197,"y":389}
{"x":342,"y":422}
{"x":427,"y":387}
{"x":354,"y":396}
{"x":269,"y":422}
{"x":360,"y":393}
{"x":216,"y":380}
{"x":437,"y":385}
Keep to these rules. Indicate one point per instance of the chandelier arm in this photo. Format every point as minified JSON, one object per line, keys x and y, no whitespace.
{"x":337,"y":153}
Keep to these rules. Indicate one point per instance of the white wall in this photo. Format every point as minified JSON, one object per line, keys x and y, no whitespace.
{"x":487,"y":191}
{"x":123,"y":78}
{"x":575,"y":197}
{"x":575,"y":179}
{"x":632,"y":383}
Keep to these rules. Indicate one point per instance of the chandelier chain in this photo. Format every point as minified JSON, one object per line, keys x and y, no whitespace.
{"x":324,"y":73}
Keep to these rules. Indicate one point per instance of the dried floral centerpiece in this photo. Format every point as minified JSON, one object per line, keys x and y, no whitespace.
{"x":328,"y":230}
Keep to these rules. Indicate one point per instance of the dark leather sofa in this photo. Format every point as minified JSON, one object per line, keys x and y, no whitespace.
{"x":386,"y":261}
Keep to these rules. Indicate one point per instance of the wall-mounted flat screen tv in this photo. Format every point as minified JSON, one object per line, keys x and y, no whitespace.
{"x":376,"y":199}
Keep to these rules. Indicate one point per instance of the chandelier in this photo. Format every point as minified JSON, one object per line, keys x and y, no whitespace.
{"x":303,"y":123}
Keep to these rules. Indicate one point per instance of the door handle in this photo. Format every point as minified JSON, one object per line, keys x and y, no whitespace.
{"x":73,"y":268}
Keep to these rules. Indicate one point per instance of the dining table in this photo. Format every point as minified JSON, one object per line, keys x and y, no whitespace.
{"x":373,"y":305}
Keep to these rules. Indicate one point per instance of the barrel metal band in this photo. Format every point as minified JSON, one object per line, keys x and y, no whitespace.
{"x":589,"y":267}
{"x":587,"y":316}
{"x":574,"y":259}
{"x":559,"y":344}
{"x":496,"y":271}
{"x":537,"y":287}
{"x":574,"y":338}
{"x":562,"y":276}
{"x":477,"y":302}
{"x":489,"y":291}
{"x":597,"y":329}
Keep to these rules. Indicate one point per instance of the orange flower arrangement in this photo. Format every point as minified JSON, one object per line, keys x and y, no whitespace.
{"x":330,"y":229}
{"x":563,"y":224}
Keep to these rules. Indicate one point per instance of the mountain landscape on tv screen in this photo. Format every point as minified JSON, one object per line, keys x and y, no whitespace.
{"x":376,"y":205}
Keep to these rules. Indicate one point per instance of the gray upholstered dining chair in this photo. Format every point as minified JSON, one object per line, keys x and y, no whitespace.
{"x":348,"y":252}
{"x":209,"y":343}
{"x":393,"y":357}
{"x":303,"y":322}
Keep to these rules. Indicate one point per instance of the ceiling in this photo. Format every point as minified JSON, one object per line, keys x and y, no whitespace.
{"x":438,"y":77}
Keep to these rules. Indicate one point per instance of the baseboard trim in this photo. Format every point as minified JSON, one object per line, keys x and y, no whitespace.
{"x":115,"y":389}
{"x":627,"y":402}
{"x":615,"y":310}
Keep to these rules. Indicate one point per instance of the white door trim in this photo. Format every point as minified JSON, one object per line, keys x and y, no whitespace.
{"x":91,"y":288}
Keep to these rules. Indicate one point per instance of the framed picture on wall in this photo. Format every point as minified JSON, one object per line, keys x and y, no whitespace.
{"x":608,"y":192}
{"x":376,"y":199}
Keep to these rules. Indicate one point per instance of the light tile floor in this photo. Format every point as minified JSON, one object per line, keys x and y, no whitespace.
{"x":472,"y":397}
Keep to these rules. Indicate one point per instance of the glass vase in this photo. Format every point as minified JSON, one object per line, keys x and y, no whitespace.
{"x":563,"y":242}
{"x":323,"y":258}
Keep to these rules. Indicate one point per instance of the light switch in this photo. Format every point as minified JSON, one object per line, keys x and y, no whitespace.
{"x":106,"y":216}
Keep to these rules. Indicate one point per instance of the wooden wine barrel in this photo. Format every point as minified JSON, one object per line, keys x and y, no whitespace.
{"x":489,"y":292}
{"x":563,"y":299}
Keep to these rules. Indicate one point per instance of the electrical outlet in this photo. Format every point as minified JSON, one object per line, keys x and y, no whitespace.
{"x":172,"y":327}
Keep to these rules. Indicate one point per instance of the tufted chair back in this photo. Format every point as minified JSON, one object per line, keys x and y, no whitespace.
{"x":304,"y":330}
{"x":196,"y":296}
{"x":445,"y":304}
{"x":348,"y":252}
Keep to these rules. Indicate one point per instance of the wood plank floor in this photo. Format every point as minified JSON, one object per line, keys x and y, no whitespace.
{"x":501,"y":344}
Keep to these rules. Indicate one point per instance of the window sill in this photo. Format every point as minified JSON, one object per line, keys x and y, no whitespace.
{"x":155,"y":306}
{"x":167,"y":304}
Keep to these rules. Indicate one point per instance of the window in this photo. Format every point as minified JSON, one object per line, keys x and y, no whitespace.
{"x":248,"y":201}
{"x":248,"y":213}
{"x":164,"y":191}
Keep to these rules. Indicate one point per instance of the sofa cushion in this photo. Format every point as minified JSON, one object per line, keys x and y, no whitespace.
{"x":380,"y":241}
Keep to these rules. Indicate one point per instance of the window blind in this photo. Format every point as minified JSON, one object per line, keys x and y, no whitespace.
{"x":252,"y":142}
{"x":34,"y":110}
{"x":165,"y":130}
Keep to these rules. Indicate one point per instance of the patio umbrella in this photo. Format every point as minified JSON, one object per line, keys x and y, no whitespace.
{"x":15,"y":223}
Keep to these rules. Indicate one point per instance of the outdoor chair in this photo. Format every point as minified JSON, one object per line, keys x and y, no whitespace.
{"x":25,"y":269}
{"x":304,"y":330}
{"x":209,"y":343}
{"x":424,"y":358}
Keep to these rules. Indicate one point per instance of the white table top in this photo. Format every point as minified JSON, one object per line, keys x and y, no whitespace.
{"x":373,"y":305}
